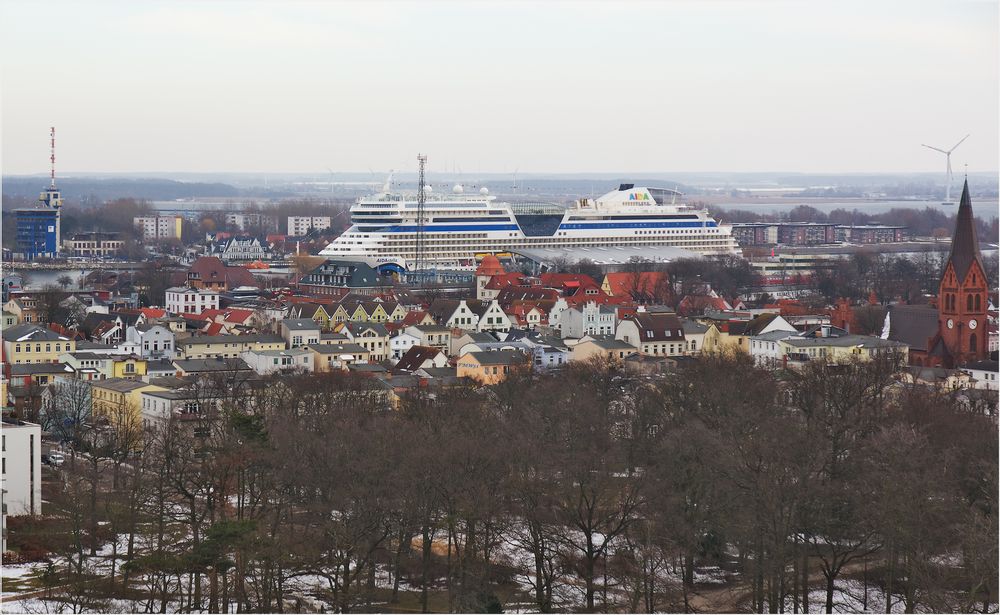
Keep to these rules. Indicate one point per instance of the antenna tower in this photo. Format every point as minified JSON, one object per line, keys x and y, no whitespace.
{"x":419,"y":263}
{"x":52,"y":156}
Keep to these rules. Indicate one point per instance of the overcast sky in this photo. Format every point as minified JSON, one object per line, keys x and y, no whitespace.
{"x":541,"y":87}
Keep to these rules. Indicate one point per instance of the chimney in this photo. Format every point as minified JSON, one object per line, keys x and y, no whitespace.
{"x":824,"y":330}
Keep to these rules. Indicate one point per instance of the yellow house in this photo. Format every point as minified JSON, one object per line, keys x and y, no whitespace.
{"x":838,"y":348}
{"x":316,"y":312}
{"x":24,"y":309}
{"x":333,"y":356}
{"x":27,"y":343}
{"x":376,"y":313}
{"x":360,"y":314}
{"x":611,"y":350}
{"x":339,"y":314}
{"x":396,"y":312}
{"x":128,"y":367}
{"x":492,"y":367}
{"x":9,"y":319}
{"x":119,"y":400}
{"x":226,"y":346}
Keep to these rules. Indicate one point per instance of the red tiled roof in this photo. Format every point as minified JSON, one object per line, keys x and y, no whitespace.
{"x":237,"y":316}
{"x":504,"y":280}
{"x":214,"y":328}
{"x":413,"y":318}
{"x":153,"y":312}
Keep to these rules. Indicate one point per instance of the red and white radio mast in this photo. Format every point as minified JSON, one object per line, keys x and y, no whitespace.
{"x":52,"y":155}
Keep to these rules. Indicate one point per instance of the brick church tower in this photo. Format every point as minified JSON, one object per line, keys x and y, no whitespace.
{"x":962,"y":298}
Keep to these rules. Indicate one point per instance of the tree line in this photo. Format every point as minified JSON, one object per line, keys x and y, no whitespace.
{"x":594,"y":489}
{"x":926,"y":222}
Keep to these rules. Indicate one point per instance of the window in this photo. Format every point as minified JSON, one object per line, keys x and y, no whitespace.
{"x":968,"y":303}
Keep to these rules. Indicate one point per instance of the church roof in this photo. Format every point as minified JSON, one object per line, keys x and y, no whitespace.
{"x":964,"y":243}
{"x":913,"y":325}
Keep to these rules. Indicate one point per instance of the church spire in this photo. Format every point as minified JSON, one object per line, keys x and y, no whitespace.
{"x":964,"y":243}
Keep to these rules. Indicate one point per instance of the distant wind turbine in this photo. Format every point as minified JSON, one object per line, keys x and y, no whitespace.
{"x":947,"y":153}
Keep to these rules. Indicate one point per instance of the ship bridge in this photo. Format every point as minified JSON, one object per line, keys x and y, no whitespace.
{"x":538,"y":219}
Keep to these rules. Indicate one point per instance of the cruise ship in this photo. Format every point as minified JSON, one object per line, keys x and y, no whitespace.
{"x":461,"y":227}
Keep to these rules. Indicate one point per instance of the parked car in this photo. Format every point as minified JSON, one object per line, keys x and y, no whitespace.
{"x":55,"y":459}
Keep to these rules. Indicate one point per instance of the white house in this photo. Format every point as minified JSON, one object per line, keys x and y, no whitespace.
{"x":422,"y":357}
{"x":242,"y":249}
{"x":493,"y":318}
{"x":766,"y":348}
{"x":431,"y":335}
{"x":588,"y":319}
{"x":400,"y":343}
{"x":548,"y":352}
{"x":266,"y":362}
{"x":182,"y":300}
{"x":149,"y":341}
{"x":985,"y":374}
{"x":654,"y":334}
{"x":22,"y":467}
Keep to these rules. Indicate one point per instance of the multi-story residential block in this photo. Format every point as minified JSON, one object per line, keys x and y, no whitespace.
{"x":226,"y":346}
{"x":871,"y":233}
{"x":154,"y":228}
{"x":187,"y":300}
{"x":250,"y":221}
{"x":301,"y":225}
{"x":95,"y":243}
{"x":21,"y":457}
{"x":27,"y":343}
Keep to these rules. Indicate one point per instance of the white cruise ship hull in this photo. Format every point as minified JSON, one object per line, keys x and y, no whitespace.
{"x":459,"y":229}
